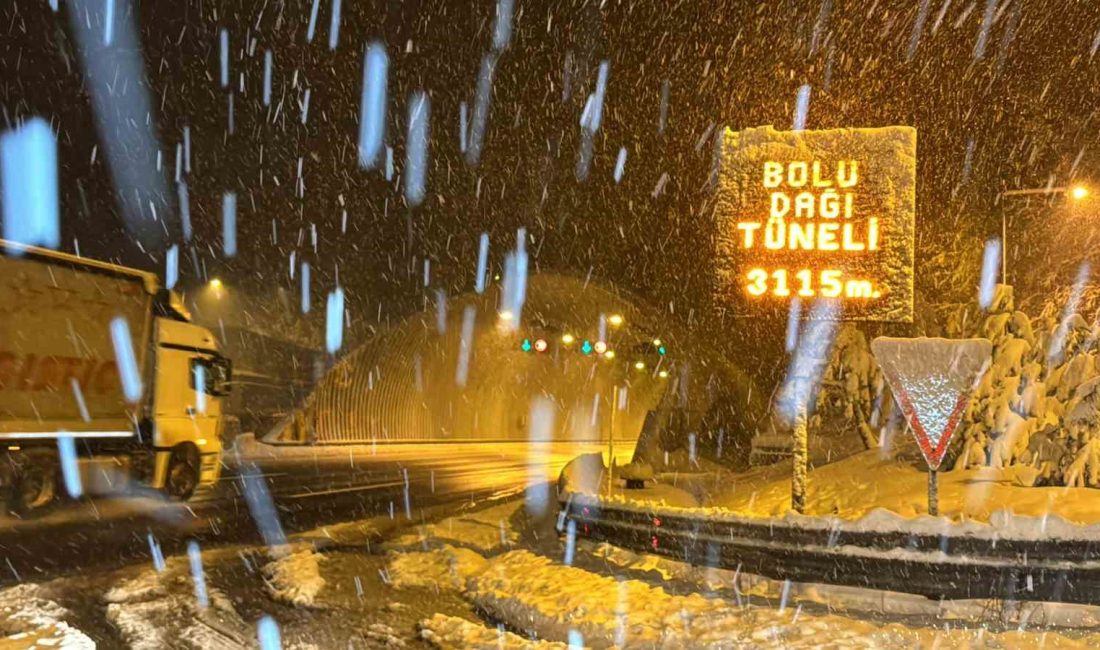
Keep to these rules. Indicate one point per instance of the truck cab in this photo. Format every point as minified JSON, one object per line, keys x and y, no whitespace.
{"x":191,"y":378}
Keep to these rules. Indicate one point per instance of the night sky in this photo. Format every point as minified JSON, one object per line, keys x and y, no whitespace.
{"x":1015,"y":108}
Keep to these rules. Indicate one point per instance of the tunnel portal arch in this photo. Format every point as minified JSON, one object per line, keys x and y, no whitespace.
{"x":405,"y":384}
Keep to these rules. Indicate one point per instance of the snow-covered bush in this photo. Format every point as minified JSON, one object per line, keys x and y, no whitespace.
{"x":845,"y":389}
{"x":1039,"y":403}
{"x":851,"y":387}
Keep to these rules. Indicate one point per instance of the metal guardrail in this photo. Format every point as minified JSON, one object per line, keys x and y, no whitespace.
{"x":948,"y":567}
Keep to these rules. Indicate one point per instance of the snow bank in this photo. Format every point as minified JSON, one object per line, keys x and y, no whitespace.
{"x":295,"y":576}
{"x":532,"y":593}
{"x":383,"y":636}
{"x":141,"y":623}
{"x":447,"y":567}
{"x":850,"y":599}
{"x":154,"y":610}
{"x":583,"y":475}
{"x":1002,"y":525}
{"x":145,"y":586}
{"x":865,"y":493}
{"x":140,"y":606}
{"x":453,"y":633}
{"x":29,"y":619}
{"x":547,"y":600}
{"x":487,"y":531}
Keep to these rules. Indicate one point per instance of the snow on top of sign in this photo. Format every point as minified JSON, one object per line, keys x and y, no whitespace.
{"x":932,"y":379}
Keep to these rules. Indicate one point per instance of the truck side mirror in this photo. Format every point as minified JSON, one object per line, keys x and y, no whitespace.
{"x":222,"y":376}
{"x":217,"y":375}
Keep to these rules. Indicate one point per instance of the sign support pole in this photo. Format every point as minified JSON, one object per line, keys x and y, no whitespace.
{"x":611,"y":443}
{"x":933,"y":493}
{"x":799,"y":454}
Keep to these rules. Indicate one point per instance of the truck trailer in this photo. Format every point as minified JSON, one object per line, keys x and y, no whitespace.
{"x":102,"y":375}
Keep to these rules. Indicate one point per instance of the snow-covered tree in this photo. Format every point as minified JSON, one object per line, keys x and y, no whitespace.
{"x":1039,"y":403}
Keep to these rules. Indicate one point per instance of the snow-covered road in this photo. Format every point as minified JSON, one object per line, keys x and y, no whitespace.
{"x":307,"y":485}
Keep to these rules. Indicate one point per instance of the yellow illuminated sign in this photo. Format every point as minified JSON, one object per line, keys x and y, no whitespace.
{"x":818,"y":214}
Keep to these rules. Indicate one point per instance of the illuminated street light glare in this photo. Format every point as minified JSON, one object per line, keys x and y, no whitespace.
{"x":216,"y":288}
{"x":663,"y":374}
{"x":640,"y":365}
{"x":567,"y":338}
{"x":615,"y":320}
{"x":657,"y":342}
{"x":1079,"y":192}
{"x":506,"y":315}
{"x":610,"y":354}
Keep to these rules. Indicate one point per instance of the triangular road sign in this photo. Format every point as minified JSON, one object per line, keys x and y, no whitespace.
{"x":932,"y":380}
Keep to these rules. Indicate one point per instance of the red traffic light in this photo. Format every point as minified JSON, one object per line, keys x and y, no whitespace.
{"x":601,"y":347}
{"x":541,"y":345}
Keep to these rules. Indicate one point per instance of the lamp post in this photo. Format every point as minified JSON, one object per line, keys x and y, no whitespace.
{"x":1074,"y":192}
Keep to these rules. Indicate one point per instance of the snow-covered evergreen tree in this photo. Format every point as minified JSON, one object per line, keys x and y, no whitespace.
{"x":1039,"y":404}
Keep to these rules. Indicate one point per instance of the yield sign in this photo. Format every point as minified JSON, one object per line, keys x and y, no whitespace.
{"x":932,"y":380}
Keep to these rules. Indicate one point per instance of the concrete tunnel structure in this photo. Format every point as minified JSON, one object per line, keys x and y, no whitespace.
{"x":410,"y":382}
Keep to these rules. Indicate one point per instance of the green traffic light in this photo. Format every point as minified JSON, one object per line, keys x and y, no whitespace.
{"x":586,"y":347}
{"x":526,"y":345}
{"x":661,"y":350}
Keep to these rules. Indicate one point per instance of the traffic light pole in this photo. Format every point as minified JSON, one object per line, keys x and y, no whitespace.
{"x":611,"y":443}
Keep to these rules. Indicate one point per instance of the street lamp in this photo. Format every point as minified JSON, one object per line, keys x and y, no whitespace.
{"x":216,"y":287}
{"x":1075,"y":192}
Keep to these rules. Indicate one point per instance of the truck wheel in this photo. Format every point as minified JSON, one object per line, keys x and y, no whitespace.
{"x":183,"y":472}
{"x":35,"y":485}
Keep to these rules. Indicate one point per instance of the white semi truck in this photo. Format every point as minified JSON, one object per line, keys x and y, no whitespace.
{"x":147,"y":407}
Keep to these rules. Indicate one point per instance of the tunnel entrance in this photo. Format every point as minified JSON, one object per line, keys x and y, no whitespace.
{"x":581,"y":363}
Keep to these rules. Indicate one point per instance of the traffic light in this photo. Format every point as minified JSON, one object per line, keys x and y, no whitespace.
{"x":538,"y":345}
{"x":586,"y":347}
